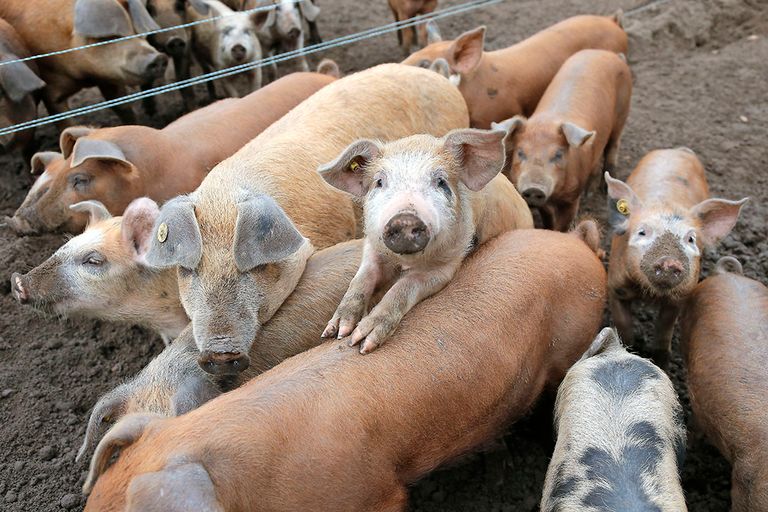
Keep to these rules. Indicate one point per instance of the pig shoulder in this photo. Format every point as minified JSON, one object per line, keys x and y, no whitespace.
{"x":498,"y":208}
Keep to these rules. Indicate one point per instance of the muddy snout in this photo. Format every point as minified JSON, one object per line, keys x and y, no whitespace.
{"x":155,"y":66}
{"x":665,"y":264}
{"x":406,"y":233}
{"x":19,"y":225}
{"x":19,"y":287}
{"x":534,"y":195}
{"x":668,"y":272}
{"x":223,"y":363}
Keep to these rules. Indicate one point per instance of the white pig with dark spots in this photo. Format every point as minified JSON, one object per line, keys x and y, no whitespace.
{"x":620,"y":436}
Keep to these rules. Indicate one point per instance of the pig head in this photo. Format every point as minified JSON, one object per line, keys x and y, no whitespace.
{"x":664,"y":244}
{"x":167,"y":14}
{"x":234,"y":273}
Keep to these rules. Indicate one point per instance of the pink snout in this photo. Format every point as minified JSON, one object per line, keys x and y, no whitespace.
{"x":405,"y":233}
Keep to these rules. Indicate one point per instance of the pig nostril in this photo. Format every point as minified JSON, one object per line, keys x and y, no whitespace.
{"x":156,"y":68}
{"x":223,"y":363}
{"x":176,"y":46}
{"x":534,"y":196}
{"x":238,"y":52}
{"x":294,"y":33}
{"x":405,"y":233}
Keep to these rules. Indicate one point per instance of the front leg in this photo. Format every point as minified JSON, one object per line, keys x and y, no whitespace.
{"x":564,"y":216}
{"x":621,"y":312}
{"x":230,"y":87}
{"x":124,"y":112}
{"x":661,"y":350}
{"x":407,"y":291}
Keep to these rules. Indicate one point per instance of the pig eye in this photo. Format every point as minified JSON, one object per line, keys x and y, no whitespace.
{"x":94,"y":259}
{"x":521,"y":154}
{"x":692,"y":238}
{"x":641,"y":232}
{"x":557,"y":156}
{"x":80,"y":181}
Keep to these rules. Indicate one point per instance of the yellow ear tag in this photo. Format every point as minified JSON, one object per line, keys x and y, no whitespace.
{"x":162,"y":232}
{"x":353,"y":166}
{"x":623,"y":206}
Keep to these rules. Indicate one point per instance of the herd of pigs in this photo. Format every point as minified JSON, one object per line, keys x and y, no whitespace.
{"x":347,"y":278}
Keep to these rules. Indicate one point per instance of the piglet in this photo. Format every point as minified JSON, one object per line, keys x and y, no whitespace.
{"x":662,"y":219}
{"x":425,"y":209}
{"x":620,"y":435}
{"x":724,"y":340}
{"x":554,"y":156}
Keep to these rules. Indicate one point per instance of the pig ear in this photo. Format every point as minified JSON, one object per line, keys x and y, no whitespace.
{"x":309,"y":10}
{"x":17,"y":80}
{"x":101,"y":18}
{"x":717,"y":217}
{"x":433,"y":32}
{"x":479,"y":153}
{"x":142,"y":21}
{"x":124,"y":433}
{"x":347,"y":172}
{"x":259,"y":19}
{"x":441,"y":67}
{"x":201,"y":6}
{"x":510,"y":126}
{"x":263,"y":233}
{"x":40,"y":161}
{"x":465,"y":52}
{"x":107,"y":409}
{"x":95,"y":209}
{"x":622,"y":202}
{"x":729,"y":264}
{"x":192,"y":393}
{"x":176,"y":239}
{"x":137,"y":226}
{"x":87,"y":149}
{"x":69,"y":136}
{"x":576,"y":135}
{"x":329,"y":67}
{"x":177,"y":488}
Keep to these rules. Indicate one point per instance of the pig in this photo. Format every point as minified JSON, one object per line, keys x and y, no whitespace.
{"x":724,"y":340}
{"x":662,"y":219}
{"x":173,"y":383}
{"x":227,"y":42}
{"x":242,"y":239}
{"x":437,"y":392}
{"x":428,"y":201}
{"x":504,"y":83}
{"x":556,"y":154}
{"x":99,"y":274}
{"x":620,"y":435}
{"x":404,"y":10}
{"x":116,"y":165}
{"x":52,"y":25}
{"x":19,"y":83}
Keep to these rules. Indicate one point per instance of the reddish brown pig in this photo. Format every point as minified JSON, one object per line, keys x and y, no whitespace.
{"x":553,"y":156}
{"x":404,"y":10}
{"x":454,"y":390}
{"x":724,"y":329}
{"x":53,"y":25}
{"x":117,"y":165}
{"x":18,"y":83}
{"x":663,"y":219}
{"x":504,"y":83}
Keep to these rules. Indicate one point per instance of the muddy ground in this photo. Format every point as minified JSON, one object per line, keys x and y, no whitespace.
{"x":700,"y":80}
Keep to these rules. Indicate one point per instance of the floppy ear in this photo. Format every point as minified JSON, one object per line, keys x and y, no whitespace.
{"x":193,"y":392}
{"x":622,"y":202}
{"x":576,"y":135}
{"x":717,"y":217}
{"x":17,"y":80}
{"x":124,"y":433}
{"x":347,"y":172}
{"x":106,"y":410}
{"x":176,"y":240}
{"x":87,"y":149}
{"x":178,"y":488}
{"x":433,"y":32}
{"x":101,"y":18}
{"x":329,"y":67}
{"x":510,"y":126}
{"x":263,"y":233}
{"x":259,"y":19}
{"x":441,"y":67}
{"x":201,"y":6}
{"x":69,"y":136}
{"x":465,"y":52}
{"x":40,"y":161}
{"x":309,"y":10}
{"x":95,"y":209}
{"x":142,"y":21}
{"x":137,"y":226}
{"x":480,"y":154}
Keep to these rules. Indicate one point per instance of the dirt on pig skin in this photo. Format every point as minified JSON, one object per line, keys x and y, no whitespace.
{"x":699,"y":68}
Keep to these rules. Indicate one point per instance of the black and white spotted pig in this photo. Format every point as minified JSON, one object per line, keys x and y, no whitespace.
{"x":620,"y":436}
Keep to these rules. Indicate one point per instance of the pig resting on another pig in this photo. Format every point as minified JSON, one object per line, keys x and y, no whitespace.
{"x":663,"y":219}
{"x":724,"y":340}
{"x":620,"y":436}
{"x":428,"y":202}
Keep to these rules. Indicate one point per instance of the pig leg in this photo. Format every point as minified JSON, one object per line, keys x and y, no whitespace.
{"x":399,"y":31}
{"x":408,"y":34}
{"x":182,"y":68}
{"x":210,"y":84}
{"x":621,"y":312}
{"x":564,"y":216}
{"x":148,"y":104}
{"x":665,"y":325}
{"x":230,"y":86}
{"x":314,"y":34}
{"x":407,"y":291}
{"x":124,"y":112}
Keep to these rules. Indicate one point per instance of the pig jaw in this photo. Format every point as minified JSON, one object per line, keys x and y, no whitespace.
{"x":43,"y":287}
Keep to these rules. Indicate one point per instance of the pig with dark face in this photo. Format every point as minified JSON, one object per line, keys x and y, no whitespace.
{"x":100,"y":274}
{"x":425,"y":208}
{"x":555,"y":154}
{"x":620,"y":436}
{"x":18,"y":99}
{"x":663,"y":219}
{"x":76,"y":23}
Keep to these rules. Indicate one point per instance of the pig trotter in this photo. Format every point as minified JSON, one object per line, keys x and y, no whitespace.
{"x":372,"y":331}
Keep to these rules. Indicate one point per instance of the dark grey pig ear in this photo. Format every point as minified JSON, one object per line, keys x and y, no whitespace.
{"x":263,"y":233}
{"x":174,"y":488}
{"x":177,"y":240}
{"x":192,"y":393}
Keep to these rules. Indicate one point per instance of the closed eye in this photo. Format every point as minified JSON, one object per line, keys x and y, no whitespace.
{"x":94,"y":259}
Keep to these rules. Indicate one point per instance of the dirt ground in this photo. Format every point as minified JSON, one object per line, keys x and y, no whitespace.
{"x":700,"y":80}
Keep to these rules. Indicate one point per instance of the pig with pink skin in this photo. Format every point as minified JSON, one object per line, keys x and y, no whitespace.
{"x":100,"y":274}
{"x":662,"y":218}
{"x":428,"y":202}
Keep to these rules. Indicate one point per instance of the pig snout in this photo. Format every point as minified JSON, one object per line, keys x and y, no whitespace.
{"x":19,"y":225}
{"x":155,"y":66}
{"x":534,"y":195}
{"x":668,"y":272}
{"x":405,"y":233}
{"x":238,"y":52}
{"x":293,"y":33}
{"x":223,"y":363}
{"x":176,"y":46}
{"x":665,"y":264}
{"x":19,"y":289}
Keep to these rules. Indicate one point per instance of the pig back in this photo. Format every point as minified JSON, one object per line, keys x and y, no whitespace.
{"x":669,"y":177}
{"x":725,"y":345}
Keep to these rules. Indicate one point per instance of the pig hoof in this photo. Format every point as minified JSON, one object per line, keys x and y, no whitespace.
{"x":330,"y":330}
{"x":368,"y":346}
